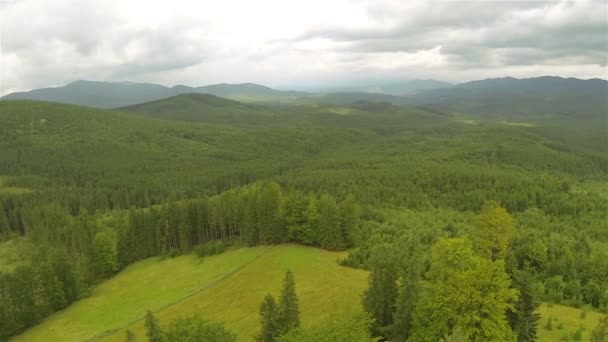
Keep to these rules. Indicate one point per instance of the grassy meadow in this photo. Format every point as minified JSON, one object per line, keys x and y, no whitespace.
{"x":227,"y":288}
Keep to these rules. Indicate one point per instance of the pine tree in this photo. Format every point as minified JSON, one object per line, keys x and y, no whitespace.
{"x":153,"y":330}
{"x":289,"y":312}
{"x":329,"y":224}
{"x":524,"y":318}
{"x":269,"y":315}
{"x":381,"y":294}
{"x":130,"y":336}
{"x":409,"y":288}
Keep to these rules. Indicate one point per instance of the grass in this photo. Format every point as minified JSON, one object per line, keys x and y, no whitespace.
{"x":169,"y":287}
{"x":567,"y":318}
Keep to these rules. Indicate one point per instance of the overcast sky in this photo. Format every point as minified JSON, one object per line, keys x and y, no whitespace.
{"x":297,"y":43}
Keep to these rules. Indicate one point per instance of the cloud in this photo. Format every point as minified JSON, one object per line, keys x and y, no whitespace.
{"x":47,"y":43}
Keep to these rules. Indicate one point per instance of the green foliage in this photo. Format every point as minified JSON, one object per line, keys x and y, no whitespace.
{"x":194,"y":329}
{"x":495,"y":231}
{"x":330,"y":230}
{"x":288,"y":309}
{"x":380,"y":297}
{"x":278,"y":319}
{"x":130,"y":336}
{"x":153,"y":329}
{"x":105,"y":253}
{"x":466,"y":294}
{"x":270,"y":318}
{"x":524,"y":317}
{"x":210,"y":248}
{"x":411,"y":170}
{"x":408,"y":292}
{"x":344,"y":328}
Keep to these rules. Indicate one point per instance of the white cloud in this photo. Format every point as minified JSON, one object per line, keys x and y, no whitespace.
{"x":46,"y":43}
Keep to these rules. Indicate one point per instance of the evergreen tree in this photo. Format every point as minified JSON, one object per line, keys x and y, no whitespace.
{"x":380,"y":297}
{"x":269,"y":314}
{"x":153,"y":330}
{"x":130,"y":336}
{"x":349,"y":219}
{"x":523,"y":319}
{"x":289,"y":312}
{"x":330,"y":230}
{"x":106,"y":254}
{"x":409,"y":287}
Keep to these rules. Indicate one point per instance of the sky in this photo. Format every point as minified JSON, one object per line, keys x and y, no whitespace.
{"x":297,"y":44}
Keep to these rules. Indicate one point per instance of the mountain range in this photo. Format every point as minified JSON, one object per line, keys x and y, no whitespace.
{"x":539,"y":96}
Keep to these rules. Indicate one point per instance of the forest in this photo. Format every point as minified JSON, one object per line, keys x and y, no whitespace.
{"x":464,"y":225}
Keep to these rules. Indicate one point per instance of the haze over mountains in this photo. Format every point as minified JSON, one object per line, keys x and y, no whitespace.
{"x":517,"y":98}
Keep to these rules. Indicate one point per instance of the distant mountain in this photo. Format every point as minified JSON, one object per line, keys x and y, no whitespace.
{"x":97,"y":94}
{"x":120,"y":94}
{"x":511,"y":97}
{"x":410,"y":87}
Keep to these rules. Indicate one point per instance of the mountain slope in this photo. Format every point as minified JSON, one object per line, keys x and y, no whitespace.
{"x":203,"y":108}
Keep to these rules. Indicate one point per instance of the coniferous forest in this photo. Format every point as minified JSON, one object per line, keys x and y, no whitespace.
{"x":400,"y":171}
{"x":464,"y":227}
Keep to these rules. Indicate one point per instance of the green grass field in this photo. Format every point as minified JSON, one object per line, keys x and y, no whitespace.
{"x":566,"y":321}
{"x":225,"y":288}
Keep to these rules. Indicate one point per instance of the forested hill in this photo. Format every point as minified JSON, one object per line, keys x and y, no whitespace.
{"x":204,"y":108}
{"x":86,"y":186}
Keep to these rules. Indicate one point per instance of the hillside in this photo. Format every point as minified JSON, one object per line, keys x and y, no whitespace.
{"x":226,"y":288}
{"x":204,"y":108}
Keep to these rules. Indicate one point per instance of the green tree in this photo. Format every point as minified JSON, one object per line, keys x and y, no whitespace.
{"x":270,"y":317}
{"x":106,"y":255}
{"x":289,"y":312}
{"x":349,"y":219}
{"x":495,"y":231}
{"x":340,"y":329}
{"x":130,"y":336}
{"x":408,"y":292}
{"x":523,"y":319}
{"x":193,"y":329}
{"x":380,"y":297}
{"x":466,"y":294}
{"x":153,"y":329}
{"x":330,"y":230}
